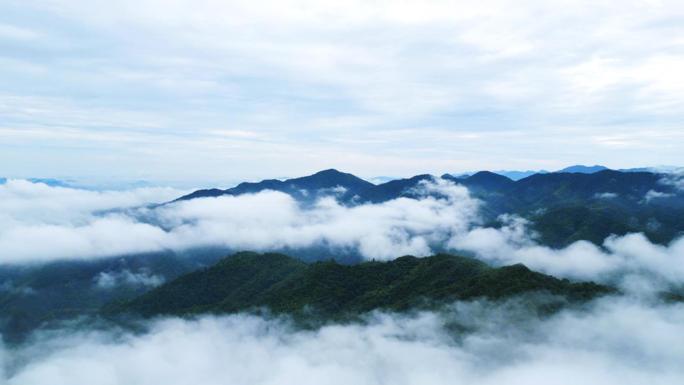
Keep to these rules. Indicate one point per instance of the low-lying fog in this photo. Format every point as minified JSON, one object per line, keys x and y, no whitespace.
{"x":613,"y":341}
{"x":629,"y":339}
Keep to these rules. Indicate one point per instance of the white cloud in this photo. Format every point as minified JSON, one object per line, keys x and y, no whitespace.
{"x":652,"y":194}
{"x":67,"y":223}
{"x":27,"y":203}
{"x":267,"y":220}
{"x":111,"y":279}
{"x":297,"y":74}
{"x":607,"y":344}
{"x":674,"y":178}
{"x":605,"y":195}
{"x":271,"y":220}
{"x":620,"y":260}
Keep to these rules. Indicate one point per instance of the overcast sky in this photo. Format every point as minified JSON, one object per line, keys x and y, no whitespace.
{"x":220,"y":91}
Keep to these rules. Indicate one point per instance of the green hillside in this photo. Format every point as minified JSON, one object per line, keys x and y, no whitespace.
{"x":248,"y":281}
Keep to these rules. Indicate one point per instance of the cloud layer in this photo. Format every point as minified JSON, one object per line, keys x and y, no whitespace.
{"x":41,"y":223}
{"x":379,"y":88}
{"x":267,"y":220}
{"x":631,"y":339}
{"x":614,"y":341}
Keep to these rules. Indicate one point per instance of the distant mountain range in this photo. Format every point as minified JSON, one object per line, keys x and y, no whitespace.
{"x":562,"y":207}
{"x":583,"y":169}
{"x":517,"y":175}
{"x":579,"y":202}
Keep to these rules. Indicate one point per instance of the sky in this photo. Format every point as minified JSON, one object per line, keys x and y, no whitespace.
{"x":215,"y":92}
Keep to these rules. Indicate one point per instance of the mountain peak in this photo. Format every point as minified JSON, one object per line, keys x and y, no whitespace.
{"x":582,"y":169}
{"x":488,"y":175}
{"x":488,"y":180}
{"x":330,"y":171}
{"x":330,"y":178}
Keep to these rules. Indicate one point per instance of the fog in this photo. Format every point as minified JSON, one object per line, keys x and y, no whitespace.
{"x":611,"y":341}
{"x":263,"y":221}
{"x":39,"y":223}
{"x":634,"y":338}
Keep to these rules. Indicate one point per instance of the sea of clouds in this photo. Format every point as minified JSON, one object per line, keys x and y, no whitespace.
{"x":612,"y":341}
{"x":39,"y":223}
{"x":634,"y":338}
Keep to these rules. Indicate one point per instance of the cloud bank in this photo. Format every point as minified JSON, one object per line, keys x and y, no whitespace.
{"x":614,"y":341}
{"x":632,"y":339}
{"x":267,"y":220}
{"x":41,"y":223}
{"x":378,"y":88}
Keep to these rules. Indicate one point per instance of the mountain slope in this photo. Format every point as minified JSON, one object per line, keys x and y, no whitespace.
{"x":282,"y":284}
{"x":391,"y":190}
{"x":581,"y":169}
{"x":33,"y":295}
{"x":562,"y":206}
{"x":307,"y":188}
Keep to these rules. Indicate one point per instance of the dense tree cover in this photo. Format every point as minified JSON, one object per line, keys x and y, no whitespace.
{"x":281,"y":284}
{"x":32,"y":295}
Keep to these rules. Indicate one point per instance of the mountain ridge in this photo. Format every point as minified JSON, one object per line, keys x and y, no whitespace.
{"x":562,"y":206}
{"x":249,"y":281}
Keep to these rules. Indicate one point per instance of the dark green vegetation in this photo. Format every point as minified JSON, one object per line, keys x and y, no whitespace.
{"x":563,"y":207}
{"x":33,"y":295}
{"x":566,"y":207}
{"x":281,"y":284}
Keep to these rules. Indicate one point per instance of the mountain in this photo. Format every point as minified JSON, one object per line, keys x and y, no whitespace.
{"x":542,"y":190}
{"x":580,"y":169}
{"x":33,"y":295}
{"x":517,"y":175}
{"x":391,"y":190}
{"x":249,"y":281}
{"x":562,"y":207}
{"x":566,"y":207}
{"x":308,"y":188}
{"x":484,"y":181}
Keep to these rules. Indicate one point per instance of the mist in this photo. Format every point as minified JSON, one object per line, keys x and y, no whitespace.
{"x":39,"y":223}
{"x":262,"y":221}
{"x":613,"y":340}
{"x":632,"y":338}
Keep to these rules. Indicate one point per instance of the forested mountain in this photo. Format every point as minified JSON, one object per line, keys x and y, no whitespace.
{"x":326,"y":182}
{"x":281,"y":284}
{"x":31,"y":295}
{"x":563,"y":207}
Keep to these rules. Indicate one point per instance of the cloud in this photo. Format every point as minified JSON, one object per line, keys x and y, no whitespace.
{"x":272,"y":220}
{"x":652,"y":194}
{"x":674,"y":178}
{"x":304,"y":81}
{"x":617,"y":261}
{"x":27,"y":203}
{"x":606,"y":195}
{"x":76,"y":228}
{"x":41,"y":223}
{"x":603,"y":342}
{"x":111,"y":279}
{"x":75,"y":224}
{"x":8,"y":286}
{"x":478,"y":342}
